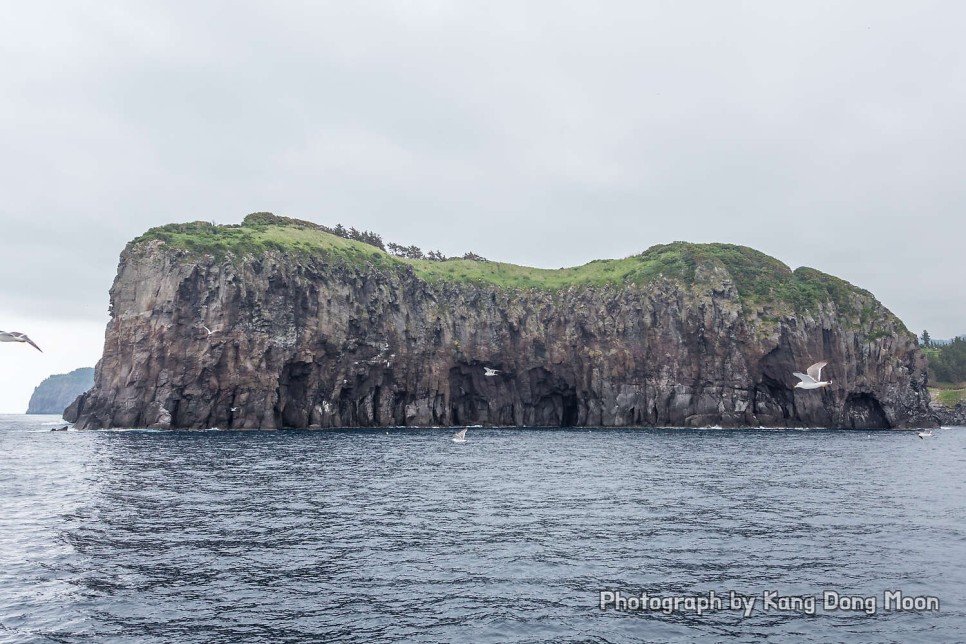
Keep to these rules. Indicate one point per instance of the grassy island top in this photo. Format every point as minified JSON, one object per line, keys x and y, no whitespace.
{"x":758,"y":277}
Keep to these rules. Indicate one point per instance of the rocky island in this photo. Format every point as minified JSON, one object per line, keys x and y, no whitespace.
{"x":310,"y":329}
{"x":56,"y":392}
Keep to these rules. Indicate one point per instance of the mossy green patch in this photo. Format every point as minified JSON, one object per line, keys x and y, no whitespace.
{"x":948,"y":397}
{"x":597,"y":273}
{"x":258,"y":235}
{"x":758,"y":278}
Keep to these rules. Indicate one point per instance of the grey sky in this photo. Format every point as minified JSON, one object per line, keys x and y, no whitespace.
{"x":826,"y":134}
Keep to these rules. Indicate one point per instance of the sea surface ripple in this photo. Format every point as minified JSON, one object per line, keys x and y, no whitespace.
{"x":401,"y":535}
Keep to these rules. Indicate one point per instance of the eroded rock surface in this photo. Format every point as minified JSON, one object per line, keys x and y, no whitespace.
{"x":950,"y":416}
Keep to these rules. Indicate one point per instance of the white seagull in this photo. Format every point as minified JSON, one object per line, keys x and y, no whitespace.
{"x":208,"y":330}
{"x":460,"y":436}
{"x":812,"y":379}
{"x":16,"y":336}
{"x":925,"y":434}
{"x":490,"y":372}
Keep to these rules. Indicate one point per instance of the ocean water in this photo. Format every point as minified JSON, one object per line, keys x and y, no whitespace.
{"x":402,"y":535}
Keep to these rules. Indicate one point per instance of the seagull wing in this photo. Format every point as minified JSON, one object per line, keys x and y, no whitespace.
{"x":24,"y":338}
{"x":815,"y":371}
{"x":804,"y":377}
{"x":461,"y":434}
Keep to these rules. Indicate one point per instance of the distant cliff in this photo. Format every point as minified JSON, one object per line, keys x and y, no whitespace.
{"x":55,"y":393}
{"x":949,"y":405}
{"x":951,"y":416}
{"x":314,"y":330}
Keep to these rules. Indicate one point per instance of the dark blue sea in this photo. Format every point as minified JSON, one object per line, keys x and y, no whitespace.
{"x":404,"y":536}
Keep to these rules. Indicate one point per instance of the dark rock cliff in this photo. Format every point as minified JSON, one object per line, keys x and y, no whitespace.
{"x":340,"y":334}
{"x":950,"y":415}
{"x":56,"y":392}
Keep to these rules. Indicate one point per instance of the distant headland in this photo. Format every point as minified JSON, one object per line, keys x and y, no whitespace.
{"x":56,"y":392}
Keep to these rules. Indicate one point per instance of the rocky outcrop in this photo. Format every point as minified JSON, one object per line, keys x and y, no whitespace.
{"x":56,"y":392}
{"x":950,"y":416}
{"x":340,"y":334}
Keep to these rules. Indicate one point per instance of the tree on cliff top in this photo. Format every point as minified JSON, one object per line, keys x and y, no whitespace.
{"x":947,"y":363}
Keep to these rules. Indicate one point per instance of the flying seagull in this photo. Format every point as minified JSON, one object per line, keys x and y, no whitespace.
{"x":925,"y":434}
{"x":16,"y":336}
{"x":208,"y":330}
{"x":812,"y":379}
{"x":460,"y":436}
{"x":490,"y":372}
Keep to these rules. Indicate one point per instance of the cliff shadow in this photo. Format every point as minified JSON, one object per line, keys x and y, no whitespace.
{"x":294,"y":405}
{"x":538,"y":397}
{"x":553,"y":400}
{"x":470,"y":395}
{"x":863,"y":411}
{"x":773,"y":399}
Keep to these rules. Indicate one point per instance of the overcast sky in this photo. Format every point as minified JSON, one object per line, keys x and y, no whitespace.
{"x":826,"y":134}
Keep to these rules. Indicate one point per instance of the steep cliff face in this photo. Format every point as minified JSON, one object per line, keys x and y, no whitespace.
{"x":311,"y":330}
{"x":56,"y":392}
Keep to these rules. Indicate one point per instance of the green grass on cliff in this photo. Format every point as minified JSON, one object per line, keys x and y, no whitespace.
{"x":258,"y":235}
{"x":759,"y":278}
{"x":948,"y":395}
